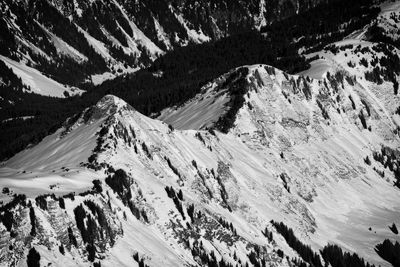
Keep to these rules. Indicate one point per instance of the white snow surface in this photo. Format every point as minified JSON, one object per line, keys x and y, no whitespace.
{"x":200,"y":112}
{"x":38,"y":82}
{"x":317,"y":70}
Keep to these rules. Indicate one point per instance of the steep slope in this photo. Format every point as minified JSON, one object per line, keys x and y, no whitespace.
{"x":38,"y":83}
{"x":294,"y":151}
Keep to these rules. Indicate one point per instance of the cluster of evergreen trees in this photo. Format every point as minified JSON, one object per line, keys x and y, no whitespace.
{"x":93,"y":227}
{"x":32,"y":217}
{"x":139,"y":260}
{"x":393,"y":228}
{"x":173,"y":168}
{"x":305,"y":251}
{"x":389,"y":67}
{"x":337,"y":258}
{"x":327,"y":23}
{"x":237,"y":89}
{"x":6,"y":213}
{"x":41,"y":201}
{"x":33,"y":258}
{"x":120,"y":183}
{"x":390,"y":159}
{"x":389,"y":251}
{"x":207,"y":258}
{"x":177,"y":198}
{"x":331,"y":254}
{"x":378,"y":34}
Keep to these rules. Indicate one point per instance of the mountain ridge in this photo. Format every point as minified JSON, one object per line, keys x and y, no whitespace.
{"x":136,"y":159}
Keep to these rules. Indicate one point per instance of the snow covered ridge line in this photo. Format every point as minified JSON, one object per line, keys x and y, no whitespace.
{"x":296,"y":152}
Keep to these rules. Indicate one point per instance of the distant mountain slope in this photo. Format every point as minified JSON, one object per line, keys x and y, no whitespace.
{"x":38,"y":83}
{"x":386,"y":27}
{"x":98,"y":37}
{"x":172,"y":23}
{"x":73,"y":40}
{"x":294,"y":151}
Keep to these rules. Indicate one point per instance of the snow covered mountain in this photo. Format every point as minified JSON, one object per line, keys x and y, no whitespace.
{"x":115,"y":187}
{"x":207,"y":182}
{"x":86,"y":42}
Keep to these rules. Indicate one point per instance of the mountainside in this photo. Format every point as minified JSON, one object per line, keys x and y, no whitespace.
{"x":78,"y":43}
{"x":163,"y":133}
{"x":285,"y":148}
{"x":173,"y":78}
{"x":175,"y":23}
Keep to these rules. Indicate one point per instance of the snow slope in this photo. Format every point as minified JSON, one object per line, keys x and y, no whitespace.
{"x":356,"y":58}
{"x":200,"y":112}
{"x":317,"y":70}
{"x":38,"y":82}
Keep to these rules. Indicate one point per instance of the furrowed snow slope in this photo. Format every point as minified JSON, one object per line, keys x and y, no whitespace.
{"x":200,"y":112}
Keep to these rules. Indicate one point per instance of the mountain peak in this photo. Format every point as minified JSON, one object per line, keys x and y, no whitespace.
{"x":112,"y":103}
{"x":106,"y":106}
